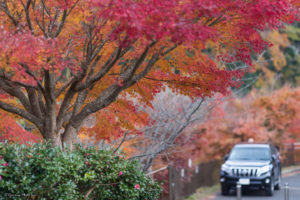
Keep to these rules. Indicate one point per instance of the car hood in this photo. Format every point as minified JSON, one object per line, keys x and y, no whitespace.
{"x":246,"y":163}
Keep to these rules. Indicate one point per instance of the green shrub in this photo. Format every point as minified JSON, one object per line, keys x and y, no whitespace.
{"x":44,"y":173}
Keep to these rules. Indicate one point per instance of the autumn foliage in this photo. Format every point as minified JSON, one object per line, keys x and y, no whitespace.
{"x":264,"y":117}
{"x":11,"y":131}
{"x":279,"y":64}
{"x":63,"y":61}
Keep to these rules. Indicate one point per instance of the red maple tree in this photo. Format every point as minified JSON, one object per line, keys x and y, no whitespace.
{"x":65,"y":60}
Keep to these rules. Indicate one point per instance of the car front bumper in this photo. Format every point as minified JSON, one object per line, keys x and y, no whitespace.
{"x":261,"y":182}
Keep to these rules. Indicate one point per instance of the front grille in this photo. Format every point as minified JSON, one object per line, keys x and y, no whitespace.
{"x":245,"y":172}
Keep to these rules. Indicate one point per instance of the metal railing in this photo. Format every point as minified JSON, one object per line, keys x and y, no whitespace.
{"x":286,"y":191}
{"x":238,"y":191}
{"x":287,"y":188}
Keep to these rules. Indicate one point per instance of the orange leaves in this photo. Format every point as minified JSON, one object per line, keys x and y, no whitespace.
{"x":231,"y":32}
{"x":112,"y":122}
{"x":191,"y":72}
{"x":281,"y":108}
{"x":278,"y":41}
{"x":267,"y":117}
{"x":136,"y":47}
{"x":276,"y":38}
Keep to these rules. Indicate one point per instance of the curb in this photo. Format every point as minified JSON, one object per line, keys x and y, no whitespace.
{"x":290,"y":171}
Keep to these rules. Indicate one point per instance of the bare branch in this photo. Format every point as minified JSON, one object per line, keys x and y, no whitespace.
{"x":122,"y":141}
{"x":144,"y":155}
{"x":168,"y":124}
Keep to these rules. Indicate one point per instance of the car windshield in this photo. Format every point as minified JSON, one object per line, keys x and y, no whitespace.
{"x":250,"y":153}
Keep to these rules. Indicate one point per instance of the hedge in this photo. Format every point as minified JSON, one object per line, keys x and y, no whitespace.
{"x":40,"y":172}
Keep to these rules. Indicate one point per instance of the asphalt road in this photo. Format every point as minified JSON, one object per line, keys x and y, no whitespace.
{"x":293,"y":180}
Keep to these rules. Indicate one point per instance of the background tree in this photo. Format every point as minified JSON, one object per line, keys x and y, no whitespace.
{"x":170,"y":117}
{"x":268,"y":117}
{"x":65,"y":60}
{"x":279,"y":64}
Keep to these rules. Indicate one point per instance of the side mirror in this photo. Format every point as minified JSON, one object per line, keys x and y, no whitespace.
{"x":226,"y":157}
{"x":274,"y":158}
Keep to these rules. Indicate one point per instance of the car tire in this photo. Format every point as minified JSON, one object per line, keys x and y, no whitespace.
{"x":278,"y":185}
{"x":224,"y":190}
{"x":270,"y":188}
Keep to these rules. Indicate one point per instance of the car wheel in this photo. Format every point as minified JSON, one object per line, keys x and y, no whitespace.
{"x":278,"y":185}
{"x":224,"y":189}
{"x":270,"y":188}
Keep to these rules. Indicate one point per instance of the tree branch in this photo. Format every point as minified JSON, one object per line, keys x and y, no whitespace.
{"x":22,"y":113}
{"x":34,"y":102}
{"x":107,"y":66}
{"x":122,"y":141}
{"x":169,"y":50}
{"x":110,"y":93}
{"x":64,"y":106}
{"x":62,"y":23}
{"x":4,"y":8}
{"x":15,"y":92}
{"x":64,"y":87}
{"x":17,"y":82}
{"x":30,"y":73}
{"x":26,"y":9}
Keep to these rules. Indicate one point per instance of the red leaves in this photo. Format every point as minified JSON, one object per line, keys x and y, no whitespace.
{"x":21,"y":52}
{"x":227,"y":28}
{"x":155,"y":19}
{"x":228,"y":24}
{"x":10,"y":130}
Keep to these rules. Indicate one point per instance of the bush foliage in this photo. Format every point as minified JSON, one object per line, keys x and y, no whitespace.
{"x":41,"y":172}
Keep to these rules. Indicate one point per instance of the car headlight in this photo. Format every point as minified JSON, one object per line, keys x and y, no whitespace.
{"x":264,"y":169}
{"x":225,"y":168}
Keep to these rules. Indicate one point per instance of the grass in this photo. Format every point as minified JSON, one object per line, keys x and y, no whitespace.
{"x":204,"y":193}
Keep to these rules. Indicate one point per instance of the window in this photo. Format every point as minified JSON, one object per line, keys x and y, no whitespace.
{"x":250,"y":153}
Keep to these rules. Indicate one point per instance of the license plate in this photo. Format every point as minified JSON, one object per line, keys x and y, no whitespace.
{"x":244,"y":181}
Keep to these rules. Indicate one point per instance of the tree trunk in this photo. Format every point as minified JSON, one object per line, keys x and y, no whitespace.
{"x":63,"y":139}
{"x":56,"y":141}
{"x":69,"y":136}
{"x":52,"y":137}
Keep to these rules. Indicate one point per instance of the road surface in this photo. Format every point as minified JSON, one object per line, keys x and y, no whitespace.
{"x":293,"y":180}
